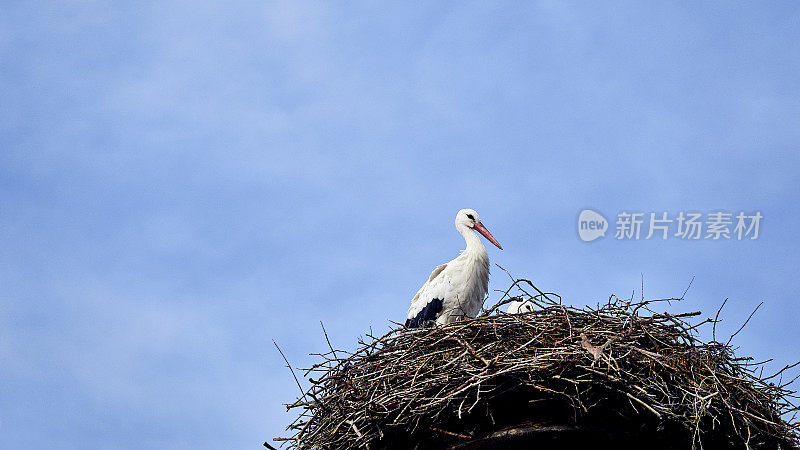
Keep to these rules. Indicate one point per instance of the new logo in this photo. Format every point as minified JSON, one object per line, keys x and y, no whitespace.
{"x":591,"y":225}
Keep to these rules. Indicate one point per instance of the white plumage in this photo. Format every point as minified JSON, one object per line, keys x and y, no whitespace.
{"x":520,"y":307}
{"x":455,"y":290}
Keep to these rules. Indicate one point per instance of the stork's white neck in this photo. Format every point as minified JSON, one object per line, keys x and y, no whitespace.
{"x":474,"y":244}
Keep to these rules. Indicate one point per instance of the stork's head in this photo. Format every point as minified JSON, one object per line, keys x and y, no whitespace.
{"x":469,"y":218}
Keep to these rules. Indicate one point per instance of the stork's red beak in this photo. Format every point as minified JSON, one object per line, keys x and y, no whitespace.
{"x":482,"y":230}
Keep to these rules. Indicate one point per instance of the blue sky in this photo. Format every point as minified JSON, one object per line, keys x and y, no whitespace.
{"x":182,"y":182}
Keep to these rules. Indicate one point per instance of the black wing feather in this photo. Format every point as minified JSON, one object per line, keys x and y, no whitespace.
{"x":429,"y":312}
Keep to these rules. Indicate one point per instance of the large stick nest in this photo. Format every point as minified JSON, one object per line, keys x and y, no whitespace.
{"x":618,"y":373}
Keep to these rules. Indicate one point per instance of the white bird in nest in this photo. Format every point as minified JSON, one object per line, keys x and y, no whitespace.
{"x":520,"y":307}
{"x":455,"y":290}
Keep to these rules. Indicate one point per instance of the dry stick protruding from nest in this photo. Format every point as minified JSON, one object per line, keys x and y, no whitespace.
{"x":441,"y":386}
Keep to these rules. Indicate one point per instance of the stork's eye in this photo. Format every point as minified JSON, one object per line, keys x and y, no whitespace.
{"x":470,"y":217}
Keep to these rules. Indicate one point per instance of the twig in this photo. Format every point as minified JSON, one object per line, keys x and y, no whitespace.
{"x":716,"y":319}
{"x":687,"y":288}
{"x":744,"y":324}
{"x":302,"y":392}
{"x":328,"y":340}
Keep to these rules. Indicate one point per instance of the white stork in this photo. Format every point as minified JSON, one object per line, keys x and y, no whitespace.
{"x":520,"y":307}
{"x":455,"y":290}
